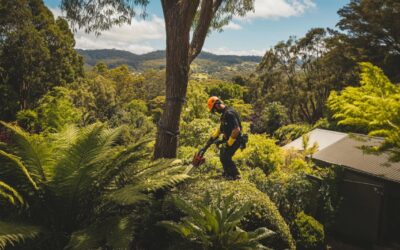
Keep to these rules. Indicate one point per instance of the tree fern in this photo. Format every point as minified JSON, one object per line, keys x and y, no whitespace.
{"x":78,"y":180}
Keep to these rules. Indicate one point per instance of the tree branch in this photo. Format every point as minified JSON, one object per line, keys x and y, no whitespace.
{"x":207,"y":13}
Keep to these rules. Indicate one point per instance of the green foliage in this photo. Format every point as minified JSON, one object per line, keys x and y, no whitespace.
{"x":75,"y":180}
{"x":261,"y":152}
{"x":196,"y":106}
{"x":308,"y":232}
{"x":262,"y":213}
{"x":196,"y":132}
{"x":272,"y":117}
{"x":245,"y":110}
{"x":12,"y":234}
{"x":373,"y":107}
{"x":370,"y":33}
{"x":300,"y":73}
{"x":225,"y":91}
{"x":36,"y":53}
{"x":10,"y":194}
{"x":288,"y":133}
{"x":27,"y":119}
{"x":56,"y":111}
{"x":217,"y":226}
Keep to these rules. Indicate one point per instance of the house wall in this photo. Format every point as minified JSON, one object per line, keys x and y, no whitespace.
{"x":370,"y":208}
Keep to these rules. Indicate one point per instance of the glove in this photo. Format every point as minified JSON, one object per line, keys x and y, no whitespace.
{"x":230,"y":141}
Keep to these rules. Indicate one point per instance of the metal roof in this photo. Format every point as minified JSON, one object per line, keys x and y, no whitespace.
{"x":346,"y":150}
{"x":322,"y":137}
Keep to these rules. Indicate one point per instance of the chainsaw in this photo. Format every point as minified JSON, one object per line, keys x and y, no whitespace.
{"x":198,"y":158}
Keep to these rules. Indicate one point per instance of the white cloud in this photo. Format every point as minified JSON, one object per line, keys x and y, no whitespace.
{"x":232,"y":26}
{"x":134,"y":37}
{"x":227,"y":51}
{"x":275,"y":9}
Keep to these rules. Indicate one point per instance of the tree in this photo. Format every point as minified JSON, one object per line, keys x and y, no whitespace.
{"x":300,"y":73}
{"x":76,"y":189}
{"x":180,"y":17}
{"x":372,"y":33}
{"x":373,"y":107}
{"x":36,"y":53}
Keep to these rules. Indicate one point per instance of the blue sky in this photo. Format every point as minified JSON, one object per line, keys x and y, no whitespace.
{"x":272,"y":21}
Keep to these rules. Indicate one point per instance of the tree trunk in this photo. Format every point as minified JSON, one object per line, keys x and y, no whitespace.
{"x":178,"y":19}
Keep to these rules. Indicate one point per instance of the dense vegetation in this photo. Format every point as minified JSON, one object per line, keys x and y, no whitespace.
{"x":76,"y":165}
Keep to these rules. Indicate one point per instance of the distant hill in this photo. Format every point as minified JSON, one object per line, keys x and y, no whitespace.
{"x":222,"y":66}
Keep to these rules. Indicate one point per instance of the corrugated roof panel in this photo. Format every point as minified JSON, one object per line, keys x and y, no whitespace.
{"x":348,"y":152}
{"x":323,"y":137}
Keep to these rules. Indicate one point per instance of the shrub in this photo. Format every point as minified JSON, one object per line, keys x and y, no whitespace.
{"x":308,"y":232}
{"x":225,"y":91}
{"x":263,"y":212}
{"x":261,"y":152}
{"x":196,"y":106}
{"x":216,"y":226}
{"x":27,"y":119}
{"x":56,"y":110}
{"x":245,"y":110}
{"x":196,"y":132}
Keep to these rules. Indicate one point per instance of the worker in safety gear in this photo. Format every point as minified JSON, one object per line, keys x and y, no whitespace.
{"x":233,"y":139}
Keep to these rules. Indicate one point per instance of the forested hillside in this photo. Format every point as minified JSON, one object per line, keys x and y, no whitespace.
{"x":219,"y":66}
{"x":101,"y":157}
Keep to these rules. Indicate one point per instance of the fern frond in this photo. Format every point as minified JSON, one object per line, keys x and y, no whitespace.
{"x":13,"y":234}
{"x":75,"y":173}
{"x":32,"y":150}
{"x":128,"y":195}
{"x":10,"y":194}
{"x":18,"y":163}
{"x":115,"y":233}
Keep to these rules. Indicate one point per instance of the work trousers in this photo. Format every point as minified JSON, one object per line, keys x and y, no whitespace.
{"x":226,"y":154}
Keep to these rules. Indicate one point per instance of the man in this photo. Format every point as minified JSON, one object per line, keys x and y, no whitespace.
{"x":231,"y":128}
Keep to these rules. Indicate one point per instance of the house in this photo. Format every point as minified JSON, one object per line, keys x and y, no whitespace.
{"x":370,"y":209}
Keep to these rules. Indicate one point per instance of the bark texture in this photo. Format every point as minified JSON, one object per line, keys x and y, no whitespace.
{"x":179,"y":16}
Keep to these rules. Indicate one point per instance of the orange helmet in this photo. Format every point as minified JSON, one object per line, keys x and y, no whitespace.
{"x":211,"y":102}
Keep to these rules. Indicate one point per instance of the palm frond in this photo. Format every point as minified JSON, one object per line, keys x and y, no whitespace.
{"x":13,"y":234}
{"x":10,"y":194}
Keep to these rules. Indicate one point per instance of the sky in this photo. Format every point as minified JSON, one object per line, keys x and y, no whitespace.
{"x":271,"y":22}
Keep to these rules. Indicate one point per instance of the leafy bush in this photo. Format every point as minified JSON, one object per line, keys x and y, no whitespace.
{"x":261,"y":152}
{"x":245,"y":110}
{"x":271,"y":117}
{"x":308,"y":232}
{"x":56,"y":110}
{"x":27,"y":119}
{"x":196,"y":132}
{"x":288,"y":133}
{"x":216,"y":226}
{"x":225,"y":91}
{"x":196,"y":105}
{"x":263,"y":212}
